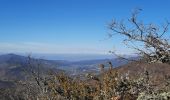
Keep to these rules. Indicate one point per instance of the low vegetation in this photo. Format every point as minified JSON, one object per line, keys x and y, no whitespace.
{"x":109,"y":85}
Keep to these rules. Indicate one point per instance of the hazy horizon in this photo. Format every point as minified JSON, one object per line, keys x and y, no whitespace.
{"x":68,"y":57}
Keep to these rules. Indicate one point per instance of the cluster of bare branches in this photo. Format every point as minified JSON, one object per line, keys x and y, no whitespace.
{"x":147,"y":39}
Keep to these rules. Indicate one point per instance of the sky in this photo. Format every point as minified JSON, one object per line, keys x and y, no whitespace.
{"x":70,"y":26}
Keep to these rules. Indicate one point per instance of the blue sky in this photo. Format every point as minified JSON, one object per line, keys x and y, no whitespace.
{"x":69,"y":26}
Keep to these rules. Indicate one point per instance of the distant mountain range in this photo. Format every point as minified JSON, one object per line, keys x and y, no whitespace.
{"x":12,"y":66}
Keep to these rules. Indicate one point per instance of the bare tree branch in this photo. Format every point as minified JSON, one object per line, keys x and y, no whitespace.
{"x":155,"y":47}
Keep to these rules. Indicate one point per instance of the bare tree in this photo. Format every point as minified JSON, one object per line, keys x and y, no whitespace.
{"x":35,"y":84}
{"x":147,"y":39}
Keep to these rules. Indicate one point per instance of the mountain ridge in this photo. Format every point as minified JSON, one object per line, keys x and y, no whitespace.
{"x":12,"y":66}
